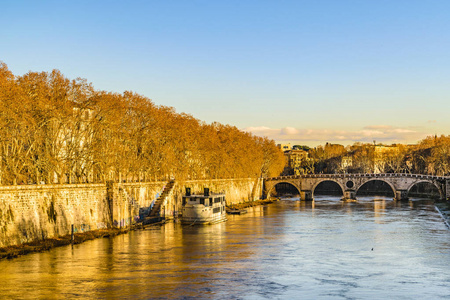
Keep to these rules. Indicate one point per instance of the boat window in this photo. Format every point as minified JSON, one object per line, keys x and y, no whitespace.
{"x":216,"y":210}
{"x":184,"y":200}
{"x":202,"y":201}
{"x":193,"y":199}
{"x":217,"y":200}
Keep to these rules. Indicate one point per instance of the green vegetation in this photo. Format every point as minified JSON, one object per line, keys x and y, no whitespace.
{"x":301,"y":147}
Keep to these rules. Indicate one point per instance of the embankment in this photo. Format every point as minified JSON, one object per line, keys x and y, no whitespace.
{"x":30,"y":213}
{"x":443,"y":207}
{"x":243,"y":205}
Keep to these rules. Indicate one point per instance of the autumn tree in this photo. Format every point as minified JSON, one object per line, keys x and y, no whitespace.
{"x":57,"y":130}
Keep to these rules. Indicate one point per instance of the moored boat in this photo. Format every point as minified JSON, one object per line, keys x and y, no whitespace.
{"x":204,"y":208}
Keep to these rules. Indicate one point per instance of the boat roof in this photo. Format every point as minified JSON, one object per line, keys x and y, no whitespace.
{"x":203,"y":196}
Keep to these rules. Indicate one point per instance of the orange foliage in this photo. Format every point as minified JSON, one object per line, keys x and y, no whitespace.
{"x":56,"y":130}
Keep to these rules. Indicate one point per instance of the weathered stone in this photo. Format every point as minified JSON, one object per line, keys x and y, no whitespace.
{"x":32,"y":212}
{"x":350,"y":183}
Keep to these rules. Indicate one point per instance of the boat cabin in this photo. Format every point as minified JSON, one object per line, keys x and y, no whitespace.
{"x":206,"y":208}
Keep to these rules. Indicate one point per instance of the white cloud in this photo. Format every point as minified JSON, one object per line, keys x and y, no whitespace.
{"x":259,"y":129}
{"x":371,"y":132}
{"x":378,"y":127}
{"x":401,"y":130}
{"x":380,"y":133}
{"x":289,"y":131}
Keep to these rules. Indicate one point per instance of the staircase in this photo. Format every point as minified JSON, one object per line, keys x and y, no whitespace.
{"x":157,"y":206}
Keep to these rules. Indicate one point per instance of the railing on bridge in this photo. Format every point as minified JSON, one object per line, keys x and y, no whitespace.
{"x":353,"y":175}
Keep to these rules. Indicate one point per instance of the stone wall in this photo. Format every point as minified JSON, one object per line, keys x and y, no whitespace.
{"x":29,"y":213}
{"x":36,"y":212}
{"x":128,"y":198}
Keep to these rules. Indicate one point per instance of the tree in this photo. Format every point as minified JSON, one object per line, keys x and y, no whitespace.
{"x":58,"y":130}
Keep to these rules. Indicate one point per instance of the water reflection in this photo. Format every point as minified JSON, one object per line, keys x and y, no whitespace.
{"x":290,"y":249}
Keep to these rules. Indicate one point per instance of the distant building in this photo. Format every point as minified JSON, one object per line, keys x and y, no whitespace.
{"x":294,"y":161}
{"x":284,"y":147}
{"x":346,"y":162}
{"x":380,"y":154}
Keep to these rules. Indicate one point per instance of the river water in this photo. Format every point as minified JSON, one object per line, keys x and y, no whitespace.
{"x":327,"y":249}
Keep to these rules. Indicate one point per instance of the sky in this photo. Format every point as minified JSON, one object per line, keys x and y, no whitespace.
{"x":305,"y":72}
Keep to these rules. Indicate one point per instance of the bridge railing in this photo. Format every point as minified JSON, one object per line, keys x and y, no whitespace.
{"x":353,"y":175}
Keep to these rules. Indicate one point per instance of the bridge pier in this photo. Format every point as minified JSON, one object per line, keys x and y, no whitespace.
{"x":350,"y":195}
{"x":401,"y":195}
{"x":306,"y":195}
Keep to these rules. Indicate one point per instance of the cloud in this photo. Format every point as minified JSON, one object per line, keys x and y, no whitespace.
{"x":371,"y":132}
{"x":380,"y":133}
{"x":377,"y":127}
{"x":289,"y":131}
{"x":262,"y":130}
{"x":401,"y":130}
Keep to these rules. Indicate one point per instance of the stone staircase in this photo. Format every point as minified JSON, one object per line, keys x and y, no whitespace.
{"x":155,"y":212}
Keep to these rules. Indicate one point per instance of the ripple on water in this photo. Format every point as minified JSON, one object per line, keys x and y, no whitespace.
{"x":287,"y":250}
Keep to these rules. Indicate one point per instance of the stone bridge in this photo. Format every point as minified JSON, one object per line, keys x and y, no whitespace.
{"x":350,"y":183}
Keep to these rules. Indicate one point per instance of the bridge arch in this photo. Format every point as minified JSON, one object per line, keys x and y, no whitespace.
{"x":439,"y":189}
{"x":327,"y":180}
{"x":393,"y":189}
{"x":273,"y":187}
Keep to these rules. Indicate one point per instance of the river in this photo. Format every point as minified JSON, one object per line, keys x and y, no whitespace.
{"x":375,"y":248}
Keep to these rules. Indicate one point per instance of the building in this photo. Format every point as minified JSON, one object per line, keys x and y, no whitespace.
{"x":346,"y":162}
{"x":381,"y":157}
{"x":284,"y":147}
{"x":294,"y":162}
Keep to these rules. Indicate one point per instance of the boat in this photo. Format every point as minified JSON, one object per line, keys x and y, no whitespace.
{"x":204,"y":208}
{"x":237,"y":211}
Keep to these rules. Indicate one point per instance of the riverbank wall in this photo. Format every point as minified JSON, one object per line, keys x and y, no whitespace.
{"x":37,"y":212}
{"x":128,"y":198}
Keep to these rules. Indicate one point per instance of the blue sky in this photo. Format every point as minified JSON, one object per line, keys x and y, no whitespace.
{"x":305,"y":72}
